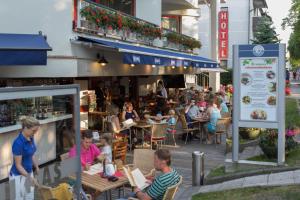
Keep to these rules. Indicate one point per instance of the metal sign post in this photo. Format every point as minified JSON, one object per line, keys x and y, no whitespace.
{"x":259,"y":100}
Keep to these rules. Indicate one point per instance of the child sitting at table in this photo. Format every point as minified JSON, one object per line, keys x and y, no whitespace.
{"x":170,"y":119}
{"x":106,"y":149}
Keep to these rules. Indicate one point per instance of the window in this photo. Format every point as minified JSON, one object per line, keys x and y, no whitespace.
{"x":172,"y":23}
{"x":125,"y":6}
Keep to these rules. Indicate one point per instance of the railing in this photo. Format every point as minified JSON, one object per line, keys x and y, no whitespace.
{"x":100,"y":20}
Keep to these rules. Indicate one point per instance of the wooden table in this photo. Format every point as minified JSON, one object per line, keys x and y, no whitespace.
{"x":201,"y":121}
{"x":143,"y":126}
{"x":100,"y":184}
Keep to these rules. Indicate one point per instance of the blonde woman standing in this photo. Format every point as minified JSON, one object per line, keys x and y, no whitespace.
{"x":23,"y":150}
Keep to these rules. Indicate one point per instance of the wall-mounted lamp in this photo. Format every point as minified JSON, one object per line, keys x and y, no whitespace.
{"x":132,"y":65}
{"x":173,"y":67}
{"x":185,"y":67}
{"x":153,"y":66}
{"x":102,"y":61}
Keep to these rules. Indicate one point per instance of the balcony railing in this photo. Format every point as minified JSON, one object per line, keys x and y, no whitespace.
{"x":99,"y":20}
{"x":175,"y":40}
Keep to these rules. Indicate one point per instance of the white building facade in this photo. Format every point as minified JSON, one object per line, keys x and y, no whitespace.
{"x":62,"y":23}
{"x":241,"y":15}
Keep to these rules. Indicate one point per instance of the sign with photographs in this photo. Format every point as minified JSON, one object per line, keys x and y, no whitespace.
{"x":258,"y":98}
{"x":258,"y":90}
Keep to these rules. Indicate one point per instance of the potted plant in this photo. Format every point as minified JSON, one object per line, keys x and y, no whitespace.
{"x":268,"y":143}
{"x":269,"y":139}
{"x":249,"y":133}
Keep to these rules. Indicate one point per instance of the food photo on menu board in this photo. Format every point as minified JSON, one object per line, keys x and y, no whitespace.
{"x":258,"y":90}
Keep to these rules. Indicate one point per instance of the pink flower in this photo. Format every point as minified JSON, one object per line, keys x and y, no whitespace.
{"x":290,"y":133}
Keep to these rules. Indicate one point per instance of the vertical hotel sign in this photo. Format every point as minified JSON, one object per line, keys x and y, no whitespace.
{"x":223,"y":34}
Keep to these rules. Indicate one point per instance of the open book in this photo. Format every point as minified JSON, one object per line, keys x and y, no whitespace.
{"x":136,"y":178}
{"x":95,"y":169}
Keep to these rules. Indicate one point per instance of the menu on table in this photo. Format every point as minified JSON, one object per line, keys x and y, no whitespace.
{"x":258,"y":91}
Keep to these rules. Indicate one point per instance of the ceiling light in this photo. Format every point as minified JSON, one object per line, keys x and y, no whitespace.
{"x":102,"y":61}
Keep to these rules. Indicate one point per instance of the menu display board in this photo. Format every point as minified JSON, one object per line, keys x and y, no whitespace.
{"x":258,"y":89}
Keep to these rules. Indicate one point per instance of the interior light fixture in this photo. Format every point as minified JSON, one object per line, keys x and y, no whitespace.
{"x":132,"y":65}
{"x":153,"y":66}
{"x":102,"y":61}
{"x":185,"y":67}
{"x":173,"y":67}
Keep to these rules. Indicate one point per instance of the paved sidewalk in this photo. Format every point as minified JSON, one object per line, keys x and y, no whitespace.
{"x":275,"y":179}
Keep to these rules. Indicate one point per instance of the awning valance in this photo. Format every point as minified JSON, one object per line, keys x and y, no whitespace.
{"x":133,"y":54}
{"x":23,"y":49}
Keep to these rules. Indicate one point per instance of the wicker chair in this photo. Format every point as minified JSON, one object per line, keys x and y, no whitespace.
{"x":119,"y":151}
{"x":139,"y":161}
{"x":170,"y":192}
{"x":60,"y":192}
{"x":185,"y":126}
{"x":222,"y":128}
{"x":158,"y":133}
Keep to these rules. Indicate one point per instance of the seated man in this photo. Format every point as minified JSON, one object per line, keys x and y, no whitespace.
{"x":89,"y":151}
{"x":159,"y":185}
{"x":192,"y":110}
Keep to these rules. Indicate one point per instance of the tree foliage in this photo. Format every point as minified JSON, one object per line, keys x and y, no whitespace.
{"x":293,"y":20}
{"x":226,"y":77}
{"x":265,"y":32}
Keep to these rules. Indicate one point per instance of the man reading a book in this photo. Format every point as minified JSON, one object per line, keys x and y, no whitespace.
{"x":89,"y":151}
{"x":159,"y":185}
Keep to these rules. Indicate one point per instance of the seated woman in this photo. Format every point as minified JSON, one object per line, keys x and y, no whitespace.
{"x":129,"y":113}
{"x":89,"y":151}
{"x":213,"y":114}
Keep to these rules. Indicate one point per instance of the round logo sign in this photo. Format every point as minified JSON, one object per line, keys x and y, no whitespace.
{"x":258,"y":50}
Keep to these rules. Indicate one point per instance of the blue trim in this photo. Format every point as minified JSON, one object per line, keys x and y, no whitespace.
{"x":21,"y":57}
{"x":266,"y":54}
{"x":23,"y":42}
{"x":267,"y":47}
{"x":140,"y":55}
{"x":23,"y":49}
{"x":266,"y":50}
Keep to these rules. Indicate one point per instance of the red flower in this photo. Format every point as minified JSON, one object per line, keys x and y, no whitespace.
{"x":288,"y":91}
{"x":105,"y":18}
{"x":98,"y":20}
{"x":109,"y":28}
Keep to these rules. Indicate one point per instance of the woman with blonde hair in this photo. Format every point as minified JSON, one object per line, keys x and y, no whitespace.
{"x":23,"y":150}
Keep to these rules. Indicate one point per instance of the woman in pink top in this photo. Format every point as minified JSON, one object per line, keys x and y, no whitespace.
{"x":89,"y":151}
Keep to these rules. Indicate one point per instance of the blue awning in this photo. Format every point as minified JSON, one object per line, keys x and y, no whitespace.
{"x":134,"y":54}
{"x":23,"y":49}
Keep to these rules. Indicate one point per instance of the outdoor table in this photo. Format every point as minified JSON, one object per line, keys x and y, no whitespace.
{"x":143,"y":125}
{"x":96,"y":182}
{"x":201,"y":121}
